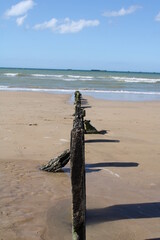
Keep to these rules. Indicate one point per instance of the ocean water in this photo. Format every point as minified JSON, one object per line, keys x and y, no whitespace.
{"x":122,"y":86}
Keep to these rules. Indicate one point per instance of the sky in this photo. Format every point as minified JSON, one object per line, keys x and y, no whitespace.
{"x":108,"y":35}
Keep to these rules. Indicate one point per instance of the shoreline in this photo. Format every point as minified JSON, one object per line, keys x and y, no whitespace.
{"x":122,"y":168}
{"x":117,"y":96}
{"x":116,"y":86}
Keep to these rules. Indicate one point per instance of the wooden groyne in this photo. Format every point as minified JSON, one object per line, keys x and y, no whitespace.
{"x":76,"y":155}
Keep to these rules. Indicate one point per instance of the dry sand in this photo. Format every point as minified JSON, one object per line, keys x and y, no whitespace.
{"x":122,"y":168}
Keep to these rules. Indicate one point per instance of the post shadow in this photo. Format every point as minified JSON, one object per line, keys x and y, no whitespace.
{"x":87,"y":170}
{"x":123,"y":211}
{"x":84,"y":101}
{"x":83,"y":107}
{"x":112,"y":164}
{"x":101,"y":141}
{"x":102,"y":132}
{"x":152,"y":239}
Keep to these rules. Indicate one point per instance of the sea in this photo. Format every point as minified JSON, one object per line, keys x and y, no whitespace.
{"x":108,"y":85}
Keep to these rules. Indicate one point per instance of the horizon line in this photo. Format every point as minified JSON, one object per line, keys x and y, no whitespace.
{"x":87,"y":70}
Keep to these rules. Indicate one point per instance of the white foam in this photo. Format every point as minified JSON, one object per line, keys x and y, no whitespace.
{"x":3,"y":87}
{"x":6,"y":88}
{"x":136,"y":80}
{"x":120,"y":92}
{"x":47,"y":75}
{"x":11,"y":74}
{"x":73,"y":90}
{"x":87,"y":78}
{"x":80,"y":77}
{"x":71,"y":78}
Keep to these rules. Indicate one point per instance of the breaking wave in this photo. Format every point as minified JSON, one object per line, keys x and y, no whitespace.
{"x":47,"y":75}
{"x":7,"y":88}
{"x":11,"y":74}
{"x":72,"y":77}
{"x":136,"y":80}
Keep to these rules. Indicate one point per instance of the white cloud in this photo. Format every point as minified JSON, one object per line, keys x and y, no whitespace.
{"x":20,"y":20}
{"x":157,"y":18}
{"x":47,"y":24}
{"x":66,"y":26}
{"x":70,"y":26}
{"x":121,"y":12}
{"x":20,"y":8}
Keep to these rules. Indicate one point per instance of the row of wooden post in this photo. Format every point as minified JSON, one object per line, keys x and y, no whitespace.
{"x":77,"y":163}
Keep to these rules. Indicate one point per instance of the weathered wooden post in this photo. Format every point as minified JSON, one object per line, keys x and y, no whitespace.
{"x":77,"y":162}
{"x":77,"y":97}
{"x":78,"y":184}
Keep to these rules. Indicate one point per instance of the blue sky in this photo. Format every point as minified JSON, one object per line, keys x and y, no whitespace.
{"x":86,"y":34}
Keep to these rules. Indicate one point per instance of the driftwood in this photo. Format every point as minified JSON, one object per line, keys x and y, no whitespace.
{"x":56,"y":164}
{"x":89,"y":129}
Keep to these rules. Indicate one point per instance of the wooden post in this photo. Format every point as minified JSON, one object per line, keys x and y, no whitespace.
{"x":78,"y":184}
{"x":77,"y":96}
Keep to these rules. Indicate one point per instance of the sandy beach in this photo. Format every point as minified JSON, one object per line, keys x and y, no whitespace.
{"x":122,"y":168}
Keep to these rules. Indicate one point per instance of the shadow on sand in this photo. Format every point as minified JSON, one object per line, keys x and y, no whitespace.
{"x":88,"y":170}
{"x":152,"y":239}
{"x":90,"y":167}
{"x":101,"y":141}
{"x":83,"y":107}
{"x":124,"y":211}
{"x":112,"y":164}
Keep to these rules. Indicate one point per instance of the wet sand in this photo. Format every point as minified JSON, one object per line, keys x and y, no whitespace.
{"x":122,"y":168}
